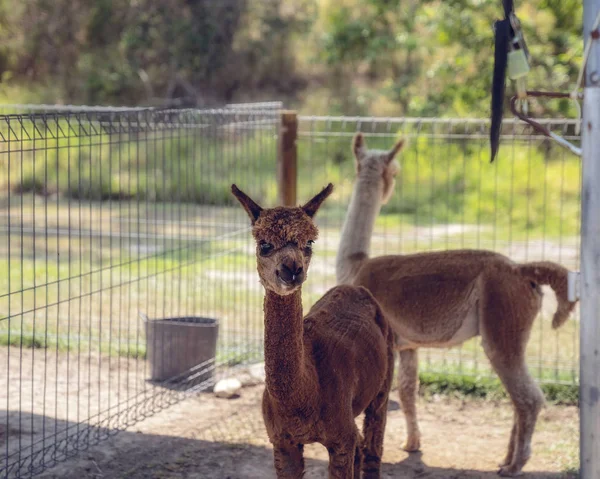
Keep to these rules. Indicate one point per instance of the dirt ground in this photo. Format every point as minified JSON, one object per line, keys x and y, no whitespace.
{"x":206,"y":437}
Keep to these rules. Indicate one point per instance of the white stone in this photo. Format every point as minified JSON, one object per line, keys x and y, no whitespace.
{"x":252,"y":375}
{"x":257,"y":371}
{"x":227,"y":388}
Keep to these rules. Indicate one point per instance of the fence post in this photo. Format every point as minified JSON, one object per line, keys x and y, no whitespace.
{"x":287,"y":154}
{"x":589,"y":382}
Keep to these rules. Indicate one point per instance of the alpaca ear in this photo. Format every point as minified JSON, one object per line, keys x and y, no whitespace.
{"x":313,"y":205}
{"x":395,"y":150}
{"x":249,"y":205}
{"x":359,"y":144}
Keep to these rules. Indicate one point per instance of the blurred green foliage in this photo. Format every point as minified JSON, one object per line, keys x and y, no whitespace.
{"x":383,"y":57}
{"x":431,"y":58}
{"x":128,"y":52}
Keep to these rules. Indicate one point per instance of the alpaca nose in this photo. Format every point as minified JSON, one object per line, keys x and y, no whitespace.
{"x":291,"y":273}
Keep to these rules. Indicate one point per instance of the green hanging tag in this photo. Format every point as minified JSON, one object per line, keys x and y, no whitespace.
{"x":518,"y":65}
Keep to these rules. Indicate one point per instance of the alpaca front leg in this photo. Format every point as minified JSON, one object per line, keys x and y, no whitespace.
{"x":408,"y":378}
{"x":341,"y":458}
{"x":289,"y":461}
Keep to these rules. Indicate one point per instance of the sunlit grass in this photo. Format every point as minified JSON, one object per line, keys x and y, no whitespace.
{"x":100,"y":310}
{"x":533,"y":188}
{"x":162,"y":235}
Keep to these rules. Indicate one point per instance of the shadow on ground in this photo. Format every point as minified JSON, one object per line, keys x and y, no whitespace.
{"x":138,"y":455}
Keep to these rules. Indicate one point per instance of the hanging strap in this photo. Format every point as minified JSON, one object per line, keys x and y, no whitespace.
{"x":503,"y":34}
{"x":508,"y":8}
{"x":502,"y":28}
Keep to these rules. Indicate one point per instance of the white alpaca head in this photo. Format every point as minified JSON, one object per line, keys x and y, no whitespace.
{"x":378,"y":164}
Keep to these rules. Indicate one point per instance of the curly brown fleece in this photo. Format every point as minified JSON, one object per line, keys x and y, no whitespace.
{"x":324,"y":369}
{"x":284,"y":225}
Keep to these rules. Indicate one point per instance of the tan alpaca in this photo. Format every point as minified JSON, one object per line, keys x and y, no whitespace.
{"x":325,"y":369}
{"x":441,"y":299}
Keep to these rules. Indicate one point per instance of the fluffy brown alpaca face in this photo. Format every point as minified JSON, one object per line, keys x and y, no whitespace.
{"x":377,"y":163}
{"x":284,"y":238}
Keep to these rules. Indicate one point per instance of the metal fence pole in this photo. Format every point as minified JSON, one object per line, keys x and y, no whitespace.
{"x":590,"y":258}
{"x":287,"y":155}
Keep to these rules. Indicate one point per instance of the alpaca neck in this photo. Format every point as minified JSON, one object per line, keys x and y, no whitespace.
{"x":284,"y":346}
{"x":355,"y":241}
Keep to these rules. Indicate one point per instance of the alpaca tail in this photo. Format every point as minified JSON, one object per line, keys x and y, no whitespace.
{"x":554,"y":275}
{"x":347,"y":267}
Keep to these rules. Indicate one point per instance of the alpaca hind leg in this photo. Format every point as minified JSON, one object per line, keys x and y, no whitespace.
{"x":374,"y":430}
{"x":527,"y":399}
{"x":511,"y":444}
{"x":408,"y":380}
{"x":341,"y":456}
{"x":357,"y":460}
{"x":289,"y":460}
{"x":374,"y":425}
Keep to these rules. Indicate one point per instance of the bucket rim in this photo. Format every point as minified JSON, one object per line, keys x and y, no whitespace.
{"x":197,"y":321}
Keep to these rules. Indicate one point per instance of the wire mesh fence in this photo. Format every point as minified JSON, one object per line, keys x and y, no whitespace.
{"x":33,"y":108}
{"x":108,"y":217}
{"x":111,"y":219}
{"x":448,"y":196}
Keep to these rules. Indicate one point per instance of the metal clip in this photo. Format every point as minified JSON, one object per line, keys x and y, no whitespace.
{"x":573,"y":285}
{"x":522,"y":103}
{"x":518,"y":38}
{"x":518,"y":63}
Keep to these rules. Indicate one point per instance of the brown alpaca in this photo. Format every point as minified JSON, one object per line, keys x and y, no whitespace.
{"x":441,"y":299}
{"x":325,"y":369}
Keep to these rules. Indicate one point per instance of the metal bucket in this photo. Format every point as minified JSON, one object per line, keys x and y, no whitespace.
{"x":178,"y":348}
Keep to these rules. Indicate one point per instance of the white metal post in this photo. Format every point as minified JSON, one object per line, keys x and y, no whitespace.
{"x":589,"y":389}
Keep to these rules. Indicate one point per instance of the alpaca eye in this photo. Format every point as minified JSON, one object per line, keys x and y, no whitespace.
{"x":265,"y":248}
{"x":309,"y":245}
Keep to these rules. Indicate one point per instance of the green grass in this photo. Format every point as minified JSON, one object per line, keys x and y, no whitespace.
{"x":489,"y":388}
{"x":183,"y":168}
{"x":532,"y":190}
{"x":229,"y":356}
{"x":530,"y":193}
{"x":451,"y":383}
{"x":16,"y":93}
{"x":211,"y":278}
{"x":40,"y":340}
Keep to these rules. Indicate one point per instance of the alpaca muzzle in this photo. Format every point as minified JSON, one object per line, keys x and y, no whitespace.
{"x":290,"y":273}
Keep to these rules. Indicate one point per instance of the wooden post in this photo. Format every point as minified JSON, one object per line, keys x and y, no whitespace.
{"x":589,"y":381}
{"x":287,"y":157}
